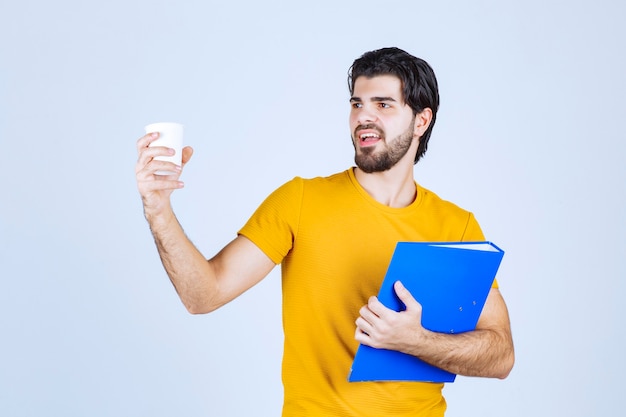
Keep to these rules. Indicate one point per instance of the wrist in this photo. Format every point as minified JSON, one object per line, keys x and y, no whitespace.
{"x":159,"y":218}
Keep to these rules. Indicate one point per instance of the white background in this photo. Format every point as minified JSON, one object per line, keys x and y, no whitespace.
{"x":529,"y":137}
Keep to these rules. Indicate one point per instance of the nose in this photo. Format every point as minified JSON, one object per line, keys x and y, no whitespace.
{"x":364,"y":115}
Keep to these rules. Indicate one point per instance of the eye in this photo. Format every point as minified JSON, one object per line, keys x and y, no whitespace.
{"x":384,"y":105}
{"x":356,"y":105}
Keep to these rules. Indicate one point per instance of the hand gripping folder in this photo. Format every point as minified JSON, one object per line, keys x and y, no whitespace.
{"x":451,"y":280}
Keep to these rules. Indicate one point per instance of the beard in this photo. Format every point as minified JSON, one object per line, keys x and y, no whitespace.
{"x":369,"y":160}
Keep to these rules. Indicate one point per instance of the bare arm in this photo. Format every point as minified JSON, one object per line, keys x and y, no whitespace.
{"x":202,"y":285}
{"x":486,"y":351}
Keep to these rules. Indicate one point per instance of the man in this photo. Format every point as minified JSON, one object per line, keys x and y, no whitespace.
{"x":334,"y":237}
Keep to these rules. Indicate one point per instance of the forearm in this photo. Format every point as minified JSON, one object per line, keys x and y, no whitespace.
{"x":190,"y":273}
{"x":202,"y":285}
{"x":482,"y":352}
{"x":486,"y":351}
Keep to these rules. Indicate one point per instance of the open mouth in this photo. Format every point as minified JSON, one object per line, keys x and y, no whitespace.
{"x":368,"y":136}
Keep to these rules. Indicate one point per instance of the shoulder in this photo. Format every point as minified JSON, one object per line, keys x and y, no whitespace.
{"x":294,"y":190}
{"x":433,"y":200}
{"x":322,"y":184}
{"x":451,"y":215}
{"x":321,"y":181}
{"x":330,"y":180}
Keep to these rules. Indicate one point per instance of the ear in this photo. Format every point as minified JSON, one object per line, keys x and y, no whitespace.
{"x":422,"y":121}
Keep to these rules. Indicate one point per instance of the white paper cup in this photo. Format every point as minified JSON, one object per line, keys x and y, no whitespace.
{"x":170,"y":136}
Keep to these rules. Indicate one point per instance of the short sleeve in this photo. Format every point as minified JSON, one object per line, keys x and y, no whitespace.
{"x":473,"y":232}
{"x":273,"y":226}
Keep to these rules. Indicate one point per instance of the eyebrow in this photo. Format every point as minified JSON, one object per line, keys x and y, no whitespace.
{"x":358,"y":99}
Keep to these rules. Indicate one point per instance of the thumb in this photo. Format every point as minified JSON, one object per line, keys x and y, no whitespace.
{"x":405,"y":296}
{"x":187,"y":152}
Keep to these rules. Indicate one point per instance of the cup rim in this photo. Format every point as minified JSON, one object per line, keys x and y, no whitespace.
{"x":153,"y":127}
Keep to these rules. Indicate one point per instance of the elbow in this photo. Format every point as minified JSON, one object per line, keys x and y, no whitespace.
{"x":506,"y":365}
{"x":199,"y":301}
{"x":506,"y":357}
{"x":196,"y":308}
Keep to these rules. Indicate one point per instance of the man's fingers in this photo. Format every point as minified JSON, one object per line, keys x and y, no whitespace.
{"x":147,"y":161}
{"x":146,"y":152}
{"x":146,"y":140}
{"x":363,"y":325}
{"x":377,"y":307}
{"x":145,"y":170}
{"x":367,"y":313}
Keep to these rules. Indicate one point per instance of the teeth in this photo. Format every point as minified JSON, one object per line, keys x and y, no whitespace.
{"x":369,"y":135}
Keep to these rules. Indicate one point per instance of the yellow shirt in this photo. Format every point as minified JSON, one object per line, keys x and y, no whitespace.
{"x":335,"y":242}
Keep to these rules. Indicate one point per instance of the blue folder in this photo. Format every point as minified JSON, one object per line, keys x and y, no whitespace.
{"x":451,"y":280}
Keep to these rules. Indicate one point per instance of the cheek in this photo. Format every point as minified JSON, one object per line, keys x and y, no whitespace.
{"x":353,"y":120}
{"x":353,"y":125}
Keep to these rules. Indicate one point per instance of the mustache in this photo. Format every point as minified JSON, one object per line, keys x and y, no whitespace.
{"x":369,"y":127}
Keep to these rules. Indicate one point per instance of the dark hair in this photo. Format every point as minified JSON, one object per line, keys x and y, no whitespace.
{"x":419,"y":84}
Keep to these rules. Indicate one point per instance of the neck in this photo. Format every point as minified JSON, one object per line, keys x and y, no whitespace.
{"x":394,"y":188}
